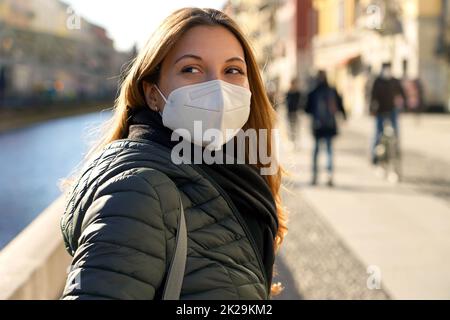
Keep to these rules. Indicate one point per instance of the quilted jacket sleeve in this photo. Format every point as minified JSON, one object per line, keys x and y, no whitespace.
{"x":121,"y":251}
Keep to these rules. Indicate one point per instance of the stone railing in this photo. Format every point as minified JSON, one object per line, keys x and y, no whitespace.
{"x":34,"y":264}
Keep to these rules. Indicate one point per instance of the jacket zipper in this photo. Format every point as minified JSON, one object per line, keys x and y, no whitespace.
{"x":242,"y":222}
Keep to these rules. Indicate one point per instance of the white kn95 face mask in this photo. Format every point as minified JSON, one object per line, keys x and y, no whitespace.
{"x":211,"y":113}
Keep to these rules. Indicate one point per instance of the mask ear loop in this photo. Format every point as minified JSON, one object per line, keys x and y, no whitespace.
{"x":165,"y":100}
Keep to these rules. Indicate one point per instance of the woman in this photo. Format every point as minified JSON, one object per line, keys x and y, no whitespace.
{"x":121,"y":219}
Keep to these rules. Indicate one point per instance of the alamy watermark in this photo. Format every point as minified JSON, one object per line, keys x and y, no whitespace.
{"x":235,"y":152}
{"x":374,"y":279}
{"x":73,"y":21}
{"x":74,"y":278}
{"x":374,"y":15}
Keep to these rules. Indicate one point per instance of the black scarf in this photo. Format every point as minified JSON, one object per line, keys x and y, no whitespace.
{"x":246,"y":188}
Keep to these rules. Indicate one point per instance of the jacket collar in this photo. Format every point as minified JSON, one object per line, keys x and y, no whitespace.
{"x":147,"y":124}
{"x":236,"y":179}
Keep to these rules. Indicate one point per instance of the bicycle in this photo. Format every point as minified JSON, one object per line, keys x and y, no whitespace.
{"x":388,"y":154}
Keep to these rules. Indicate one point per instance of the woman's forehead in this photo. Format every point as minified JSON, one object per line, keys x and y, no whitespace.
{"x":207,"y":42}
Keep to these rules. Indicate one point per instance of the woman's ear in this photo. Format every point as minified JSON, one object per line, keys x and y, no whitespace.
{"x":150,"y":95}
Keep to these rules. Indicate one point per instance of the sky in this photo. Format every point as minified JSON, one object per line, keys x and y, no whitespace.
{"x":132,"y":21}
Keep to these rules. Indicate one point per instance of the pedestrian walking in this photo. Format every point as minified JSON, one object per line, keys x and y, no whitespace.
{"x":139,"y":225}
{"x":293,"y":104}
{"x":323,"y":103}
{"x":2,"y":85}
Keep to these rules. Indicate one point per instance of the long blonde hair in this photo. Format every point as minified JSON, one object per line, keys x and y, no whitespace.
{"x":145,"y":67}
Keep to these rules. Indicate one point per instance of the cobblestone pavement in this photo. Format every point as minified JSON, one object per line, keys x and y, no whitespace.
{"x":421,"y":172}
{"x":313,"y":263}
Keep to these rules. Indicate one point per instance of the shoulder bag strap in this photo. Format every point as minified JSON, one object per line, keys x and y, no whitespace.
{"x":175,"y":275}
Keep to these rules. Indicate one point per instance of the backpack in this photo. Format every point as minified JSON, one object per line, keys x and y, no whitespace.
{"x":326,"y":109}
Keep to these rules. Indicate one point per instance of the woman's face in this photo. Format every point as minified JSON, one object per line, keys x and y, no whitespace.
{"x":202,"y":54}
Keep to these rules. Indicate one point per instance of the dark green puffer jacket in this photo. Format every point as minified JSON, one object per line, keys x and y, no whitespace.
{"x":120,"y":225}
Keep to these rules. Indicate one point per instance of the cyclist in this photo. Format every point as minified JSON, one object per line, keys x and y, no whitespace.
{"x":387,"y":98}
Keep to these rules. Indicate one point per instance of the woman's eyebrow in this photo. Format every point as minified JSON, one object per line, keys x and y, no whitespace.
{"x":188,"y":56}
{"x":236,"y":59}
{"x":193,"y":56}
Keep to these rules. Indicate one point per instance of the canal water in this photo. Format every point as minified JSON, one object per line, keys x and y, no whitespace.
{"x":33,"y":160}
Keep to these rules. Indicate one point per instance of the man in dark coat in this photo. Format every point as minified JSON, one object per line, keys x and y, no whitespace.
{"x":322,"y":104}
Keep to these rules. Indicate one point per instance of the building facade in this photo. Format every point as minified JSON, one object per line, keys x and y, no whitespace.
{"x":63,"y":57}
{"x":356,"y":36}
{"x":351,"y":39}
{"x":281,"y":32}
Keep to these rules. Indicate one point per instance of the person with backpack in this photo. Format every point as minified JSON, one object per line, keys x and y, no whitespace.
{"x":323,"y":103}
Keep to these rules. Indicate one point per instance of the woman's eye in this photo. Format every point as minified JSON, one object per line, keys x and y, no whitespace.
{"x":235,"y":71}
{"x":190,"y":70}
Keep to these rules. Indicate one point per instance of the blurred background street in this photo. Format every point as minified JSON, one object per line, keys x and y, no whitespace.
{"x":372,"y":224}
{"x":337,"y":233}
